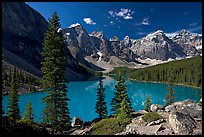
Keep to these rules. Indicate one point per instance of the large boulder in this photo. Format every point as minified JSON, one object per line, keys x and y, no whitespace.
{"x":76,"y":122}
{"x":155,"y":107}
{"x":181,"y":123}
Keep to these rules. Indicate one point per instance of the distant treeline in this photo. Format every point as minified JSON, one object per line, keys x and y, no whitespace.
{"x":185,"y":71}
{"x":21,"y":78}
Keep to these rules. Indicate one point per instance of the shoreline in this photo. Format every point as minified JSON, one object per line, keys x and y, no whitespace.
{"x":177,"y":84}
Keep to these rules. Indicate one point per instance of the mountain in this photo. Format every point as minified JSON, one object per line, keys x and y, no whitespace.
{"x":22,"y":34}
{"x":157,"y":46}
{"x":23,"y":31}
{"x":96,"y":49}
{"x":190,"y":42}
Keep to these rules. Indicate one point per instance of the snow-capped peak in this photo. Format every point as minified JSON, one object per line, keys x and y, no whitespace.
{"x":127,"y":37}
{"x":74,"y":25}
{"x":154,"y":34}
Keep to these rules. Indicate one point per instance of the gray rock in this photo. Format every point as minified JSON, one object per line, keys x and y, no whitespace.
{"x":76,"y":122}
{"x":156,"y":107}
{"x":181,"y":124}
{"x":157,"y":122}
{"x":170,"y":108}
{"x":142,"y":130}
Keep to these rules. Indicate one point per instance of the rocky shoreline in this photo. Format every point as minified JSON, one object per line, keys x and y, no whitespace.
{"x":179,"y":118}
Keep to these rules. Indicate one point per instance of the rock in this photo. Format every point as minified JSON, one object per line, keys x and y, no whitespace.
{"x":142,"y":130}
{"x":138,"y":113}
{"x":156,"y":107}
{"x":76,"y":122}
{"x":77,"y":132}
{"x":181,"y":124}
{"x":157,"y":122}
{"x":188,"y":101}
{"x":170,"y":108}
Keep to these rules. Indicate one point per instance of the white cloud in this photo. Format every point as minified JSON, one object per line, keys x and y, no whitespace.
{"x":128,"y":17}
{"x":74,"y":25}
{"x":111,"y":22}
{"x":111,"y":13}
{"x":123,"y":13}
{"x":89,"y":21}
{"x":195,"y":29}
{"x":193,"y":24}
{"x":146,"y":21}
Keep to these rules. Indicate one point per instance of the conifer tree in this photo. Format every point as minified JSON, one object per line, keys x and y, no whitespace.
{"x":147,"y":104}
{"x":65,"y":120}
{"x":53,"y":67}
{"x":121,"y":95}
{"x":29,"y":114}
{"x":101,"y":107}
{"x":13,"y":108}
{"x":170,"y":95}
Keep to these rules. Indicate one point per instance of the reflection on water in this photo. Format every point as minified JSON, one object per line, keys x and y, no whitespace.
{"x":83,"y":96}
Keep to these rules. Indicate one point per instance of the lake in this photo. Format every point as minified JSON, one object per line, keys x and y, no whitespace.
{"x":83,"y":97}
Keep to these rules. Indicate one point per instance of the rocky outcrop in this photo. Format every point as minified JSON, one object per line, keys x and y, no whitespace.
{"x":184,"y":119}
{"x":181,"y":124}
{"x":156,"y":107}
{"x":77,"y":122}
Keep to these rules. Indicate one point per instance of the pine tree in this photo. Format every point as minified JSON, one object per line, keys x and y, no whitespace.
{"x":147,"y":104}
{"x":53,"y":67}
{"x":121,"y":95}
{"x":65,"y":120}
{"x":101,"y":107}
{"x":29,"y":114}
{"x":170,"y":95}
{"x":13,"y":108}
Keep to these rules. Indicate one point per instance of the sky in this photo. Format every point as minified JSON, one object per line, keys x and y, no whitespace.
{"x":133,"y":19}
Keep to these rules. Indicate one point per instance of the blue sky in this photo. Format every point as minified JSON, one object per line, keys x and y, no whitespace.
{"x":135,"y":19}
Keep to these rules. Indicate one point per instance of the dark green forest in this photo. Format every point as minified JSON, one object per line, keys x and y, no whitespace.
{"x":186,"y":71}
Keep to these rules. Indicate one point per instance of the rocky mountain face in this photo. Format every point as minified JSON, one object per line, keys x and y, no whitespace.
{"x":154,"y":46}
{"x":191,"y":43}
{"x":23,"y":31}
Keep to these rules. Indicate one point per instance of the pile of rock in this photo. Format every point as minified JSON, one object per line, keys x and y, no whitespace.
{"x":181,"y":118}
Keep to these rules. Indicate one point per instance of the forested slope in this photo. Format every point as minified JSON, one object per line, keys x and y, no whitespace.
{"x":186,"y":71}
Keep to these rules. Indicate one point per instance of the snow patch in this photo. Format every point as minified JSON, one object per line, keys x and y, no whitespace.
{"x":100,"y":54}
{"x":198,"y":47}
{"x":60,"y":29}
{"x":74,"y":25}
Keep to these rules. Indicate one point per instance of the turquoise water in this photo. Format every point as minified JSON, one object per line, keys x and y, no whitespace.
{"x":83,"y":97}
